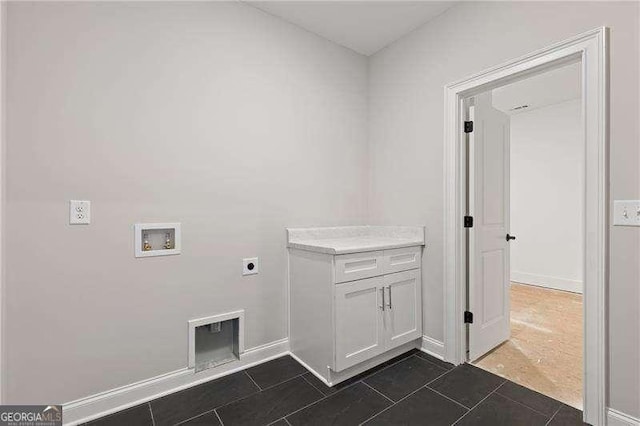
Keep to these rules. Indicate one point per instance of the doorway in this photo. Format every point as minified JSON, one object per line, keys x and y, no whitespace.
{"x":526,"y":158}
{"x":590,"y":50}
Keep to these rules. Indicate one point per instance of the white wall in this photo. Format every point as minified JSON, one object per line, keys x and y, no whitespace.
{"x":547,"y":185}
{"x":201,"y":113}
{"x":406,"y":116}
{"x":212,"y":114}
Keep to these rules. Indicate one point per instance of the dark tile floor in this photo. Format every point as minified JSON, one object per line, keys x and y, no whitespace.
{"x":412,"y":389}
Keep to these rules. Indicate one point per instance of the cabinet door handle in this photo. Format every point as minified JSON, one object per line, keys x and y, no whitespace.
{"x":382,"y":290}
{"x":389,"y":287}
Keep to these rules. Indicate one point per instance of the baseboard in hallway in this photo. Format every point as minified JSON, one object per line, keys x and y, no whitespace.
{"x":556,"y":283}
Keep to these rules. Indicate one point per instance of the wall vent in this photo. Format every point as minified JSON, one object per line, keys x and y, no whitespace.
{"x":215,"y":340}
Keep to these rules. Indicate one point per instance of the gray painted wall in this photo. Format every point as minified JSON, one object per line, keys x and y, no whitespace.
{"x":406,"y":115}
{"x":202,"y":113}
{"x":215,"y":115}
{"x":547,"y":151}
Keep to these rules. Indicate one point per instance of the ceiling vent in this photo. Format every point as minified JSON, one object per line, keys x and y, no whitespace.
{"x":519,"y":108}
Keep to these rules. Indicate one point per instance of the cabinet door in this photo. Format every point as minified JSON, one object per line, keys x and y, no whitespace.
{"x":403,"y":307}
{"x":358,"y":321}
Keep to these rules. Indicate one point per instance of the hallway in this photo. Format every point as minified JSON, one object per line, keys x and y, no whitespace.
{"x":545,"y":349}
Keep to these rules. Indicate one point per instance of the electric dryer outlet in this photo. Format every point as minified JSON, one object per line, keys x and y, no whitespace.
{"x":250,"y":266}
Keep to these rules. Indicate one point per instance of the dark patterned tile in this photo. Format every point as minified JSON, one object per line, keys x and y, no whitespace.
{"x":398,"y":358}
{"x":497,"y":410}
{"x":534,"y":400}
{"x":423,"y":407}
{"x":281,"y":422}
{"x":404,"y":377}
{"x":467,"y":384}
{"x":328,"y":390}
{"x":350,"y":406}
{"x":188,"y":403}
{"x":270,"y":405}
{"x":567,"y":416}
{"x":276,"y":371}
{"x":138,"y":415}
{"x":209,"y":419}
{"x":440,"y":363}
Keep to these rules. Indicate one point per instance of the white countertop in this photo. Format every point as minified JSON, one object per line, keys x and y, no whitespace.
{"x":354,"y":239}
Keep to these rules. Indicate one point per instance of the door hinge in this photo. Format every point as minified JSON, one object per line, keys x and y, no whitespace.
{"x":468,"y":221}
{"x":468,"y":126}
{"x":468,"y":317}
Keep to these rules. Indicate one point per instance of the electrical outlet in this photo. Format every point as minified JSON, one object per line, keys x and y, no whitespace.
{"x":626,"y":212}
{"x":250,"y":266}
{"x":79,"y":212}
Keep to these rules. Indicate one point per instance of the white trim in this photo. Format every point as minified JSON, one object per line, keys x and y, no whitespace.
{"x":191,"y":360}
{"x":591,"y":49}
{"x":556,"y":283}
{"x":617,"y":418}
{"x":104,"y":403}
{"x":432,"y":347}
{"x":311,"y":370}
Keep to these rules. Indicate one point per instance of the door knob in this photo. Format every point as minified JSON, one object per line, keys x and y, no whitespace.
{"x":510,"y":237}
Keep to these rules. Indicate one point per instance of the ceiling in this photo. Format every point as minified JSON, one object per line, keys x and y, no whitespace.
{"x":549,"y":88}
{"x":363,"y":26}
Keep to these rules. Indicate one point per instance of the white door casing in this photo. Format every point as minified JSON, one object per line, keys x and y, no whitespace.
{"x":403,"y":318}
{"x":358,"y":321}
{"x":488,"y":246}
{"x":591,"y":48}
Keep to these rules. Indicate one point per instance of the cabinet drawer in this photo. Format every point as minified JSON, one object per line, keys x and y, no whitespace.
{"x":401,"y":259}
{"x":349,"y":267}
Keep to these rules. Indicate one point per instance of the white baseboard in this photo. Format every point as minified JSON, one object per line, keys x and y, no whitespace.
{"x":433,"y":347}
{"x":308,"y":367}
{"x":616,"y":418}
{"x":548,"y":282}
{"x":102,"y":404}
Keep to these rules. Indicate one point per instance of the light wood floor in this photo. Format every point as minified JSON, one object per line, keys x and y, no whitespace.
{"x":545,"y":349}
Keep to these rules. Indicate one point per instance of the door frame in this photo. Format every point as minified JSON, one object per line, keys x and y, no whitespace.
{"x":591,"y":49}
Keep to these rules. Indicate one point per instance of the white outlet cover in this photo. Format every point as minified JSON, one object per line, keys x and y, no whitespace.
{"x":250,"y":266}
{"x":626,"y":212}
{"x":79,"y":212}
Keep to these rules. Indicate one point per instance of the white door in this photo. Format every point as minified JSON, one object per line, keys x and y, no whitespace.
{"x":488,"y":246}
{"x":403,"y":318}
{"x":358,"y":321}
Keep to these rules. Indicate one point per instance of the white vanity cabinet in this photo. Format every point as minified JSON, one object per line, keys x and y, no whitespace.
{"x":373,"y":315}
{"x":349,"y":312}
